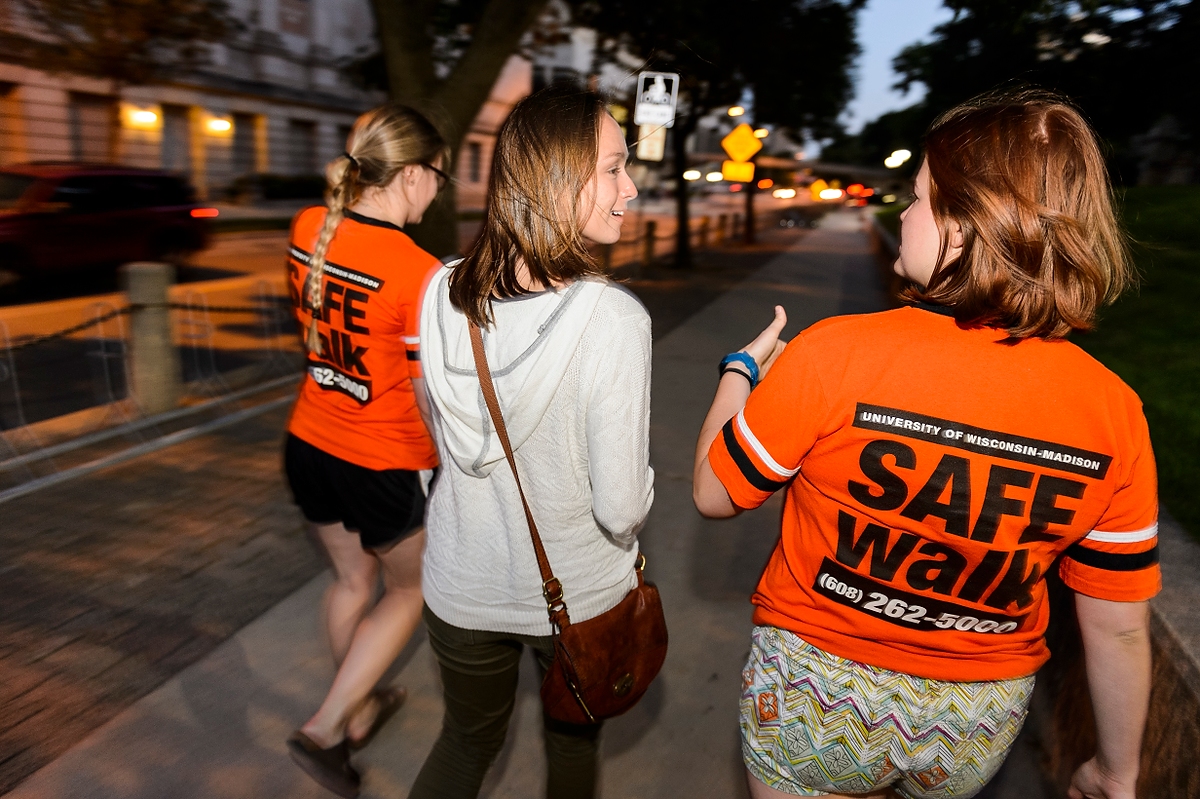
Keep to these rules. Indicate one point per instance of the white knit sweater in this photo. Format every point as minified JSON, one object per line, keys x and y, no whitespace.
{"x":572,"y":371}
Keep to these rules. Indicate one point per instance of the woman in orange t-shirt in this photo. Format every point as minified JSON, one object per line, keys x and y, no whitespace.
{"x":357,"y":441}
{"x":937,"y":460}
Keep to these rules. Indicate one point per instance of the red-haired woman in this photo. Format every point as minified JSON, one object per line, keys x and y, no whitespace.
{"x":938,"y":460}
{"x":357,"y":442}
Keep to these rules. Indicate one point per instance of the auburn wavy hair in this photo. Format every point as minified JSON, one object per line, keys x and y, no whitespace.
{"x":1021,"y":174}
{"x":545,"y":157}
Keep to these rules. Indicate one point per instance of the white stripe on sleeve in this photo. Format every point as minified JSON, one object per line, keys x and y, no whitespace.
{"x":760,"y":450}
{"x":1131,"y":537}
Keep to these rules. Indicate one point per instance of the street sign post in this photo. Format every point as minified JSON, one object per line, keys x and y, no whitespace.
{"x":657,"y":93}
{"x":741,"y":144}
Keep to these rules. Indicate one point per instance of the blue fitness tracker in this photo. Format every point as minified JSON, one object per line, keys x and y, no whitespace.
{"x":744,"y":359}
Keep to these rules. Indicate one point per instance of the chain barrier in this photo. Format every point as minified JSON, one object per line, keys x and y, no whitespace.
{"x":102,"y":344}
{"x":65,"y":332}
{"x":264,"y":306}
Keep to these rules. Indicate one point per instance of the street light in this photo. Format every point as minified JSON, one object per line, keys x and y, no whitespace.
{"x":761,"y":133}
{"x":692,"y":174}
{"x":897,"y":158}
{"x":736,"y":111}
{"x":713,"y":177}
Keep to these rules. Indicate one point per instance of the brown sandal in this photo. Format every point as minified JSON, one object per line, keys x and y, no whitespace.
{"x":390,"y":700}
{"x":329,"y":767}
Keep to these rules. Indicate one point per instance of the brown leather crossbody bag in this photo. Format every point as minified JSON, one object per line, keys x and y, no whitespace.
{"x":601,"y":666}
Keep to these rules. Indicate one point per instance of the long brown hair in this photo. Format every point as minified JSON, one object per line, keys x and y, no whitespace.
{"x":545,"y":156}
{"x":1022,"y":175}
{"x":383,"y":141}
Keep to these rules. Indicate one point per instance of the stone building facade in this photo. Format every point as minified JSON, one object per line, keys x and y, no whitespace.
{"x":275,"y":97}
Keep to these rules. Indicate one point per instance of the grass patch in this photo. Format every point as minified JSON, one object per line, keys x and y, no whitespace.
{"x":1151,"y":336}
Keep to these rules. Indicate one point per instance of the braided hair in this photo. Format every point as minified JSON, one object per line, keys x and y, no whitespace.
{"x":382,"y":142}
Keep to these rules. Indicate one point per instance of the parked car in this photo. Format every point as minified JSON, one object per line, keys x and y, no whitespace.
{"x":56,"y":217}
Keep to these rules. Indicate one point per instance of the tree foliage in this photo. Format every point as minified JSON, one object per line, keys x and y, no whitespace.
{"x":795,"y":56}
{"x":128,"y":41}
{"x":1125,"y":63}
{"x":445,"y":55}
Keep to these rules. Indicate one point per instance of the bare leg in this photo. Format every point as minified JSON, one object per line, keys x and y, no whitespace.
{"x":377,"y":642}
{"x":349,"y":597}
{"x":760,"y":790}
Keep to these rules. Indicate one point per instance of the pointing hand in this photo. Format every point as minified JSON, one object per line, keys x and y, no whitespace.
{"x":767,"y":346}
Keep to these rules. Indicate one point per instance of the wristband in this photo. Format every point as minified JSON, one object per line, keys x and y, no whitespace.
{"x":737,"y":371}
{"x":745,"y":359}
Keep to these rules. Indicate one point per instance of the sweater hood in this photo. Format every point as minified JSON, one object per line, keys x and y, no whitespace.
{"x":528,"y":348}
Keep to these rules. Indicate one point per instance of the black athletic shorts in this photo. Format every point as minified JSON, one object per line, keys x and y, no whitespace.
{"x":384,"y":506}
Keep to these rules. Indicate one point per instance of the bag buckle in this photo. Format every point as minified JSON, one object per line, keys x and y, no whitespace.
{"x":553,"y":592}
{"x":640,"y":563}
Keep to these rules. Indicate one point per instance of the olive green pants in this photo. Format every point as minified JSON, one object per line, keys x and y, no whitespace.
{"x":479,"y":675}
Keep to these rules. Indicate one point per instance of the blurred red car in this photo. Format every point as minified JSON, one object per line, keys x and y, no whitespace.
{"x":66,"y":216}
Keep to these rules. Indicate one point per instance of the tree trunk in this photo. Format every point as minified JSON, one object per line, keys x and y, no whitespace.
{"x":408,"y":53}
{"x":683,"y":240}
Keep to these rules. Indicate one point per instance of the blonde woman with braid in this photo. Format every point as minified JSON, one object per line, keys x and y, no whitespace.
{"x":357,"y":438}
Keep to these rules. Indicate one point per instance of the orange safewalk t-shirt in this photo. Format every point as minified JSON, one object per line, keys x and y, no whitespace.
{"x":934,"y":476}
{"x":357,"y":402}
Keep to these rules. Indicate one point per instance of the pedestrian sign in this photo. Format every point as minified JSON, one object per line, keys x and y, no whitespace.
{"x":656,"y":96}
{"x":741,"y":144}
{"x":737,"y":171}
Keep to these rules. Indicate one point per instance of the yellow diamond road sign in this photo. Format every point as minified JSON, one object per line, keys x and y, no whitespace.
{"x":741,"y":144}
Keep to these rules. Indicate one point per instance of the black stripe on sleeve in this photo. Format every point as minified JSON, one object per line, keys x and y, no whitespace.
{"x":753,"y":476}
{"x":1112,"y":561}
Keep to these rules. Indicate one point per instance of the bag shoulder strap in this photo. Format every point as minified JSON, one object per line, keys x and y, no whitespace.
{"x":556,"y":607}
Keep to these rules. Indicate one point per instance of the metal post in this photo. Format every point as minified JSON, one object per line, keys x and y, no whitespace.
{"x":703,"y":232}
{"x":722,"y":220}
{"x":748,"y":225}
{"x":648,"y":242}
{"x":155,"y":370}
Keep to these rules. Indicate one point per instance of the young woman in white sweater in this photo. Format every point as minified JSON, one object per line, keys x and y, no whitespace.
{"x":570,"y":355}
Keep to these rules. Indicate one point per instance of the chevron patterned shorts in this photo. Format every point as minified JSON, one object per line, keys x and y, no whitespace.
{"x":814,"y":723}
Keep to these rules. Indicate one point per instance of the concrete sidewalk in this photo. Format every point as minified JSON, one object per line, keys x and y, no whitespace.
{"x":217,"y":728}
